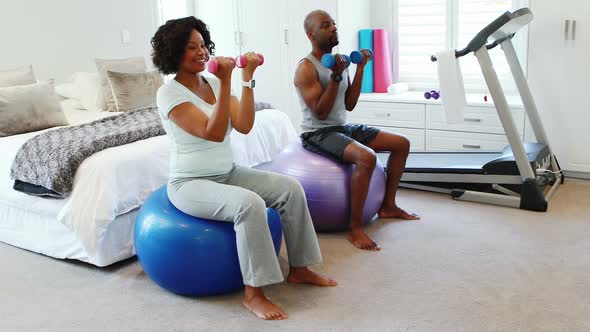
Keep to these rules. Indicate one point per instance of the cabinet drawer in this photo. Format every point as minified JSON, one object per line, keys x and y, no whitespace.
{"x":416,"y":136}
{"x":437,"y":140}
{"x":475,"y":119}
{"x":389,"y":114}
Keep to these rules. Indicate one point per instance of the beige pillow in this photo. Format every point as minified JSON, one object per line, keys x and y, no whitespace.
{"x":18,"y":76}
{"x":129,"y":65}
{"x":29,"y":108}
{"x":134,"y":91}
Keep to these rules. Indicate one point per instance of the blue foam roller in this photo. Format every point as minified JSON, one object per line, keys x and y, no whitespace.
{"x":366,"y":41}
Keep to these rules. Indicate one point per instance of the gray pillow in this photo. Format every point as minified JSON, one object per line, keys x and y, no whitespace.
{"x":17,"y":76}
{"x":29,"y":108}
{"x":262,"y":106}
{"x":134,"y":91}
{"x":129,"y":65}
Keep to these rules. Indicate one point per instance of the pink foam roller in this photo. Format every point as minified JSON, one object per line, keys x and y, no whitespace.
{"x":382,"y":62}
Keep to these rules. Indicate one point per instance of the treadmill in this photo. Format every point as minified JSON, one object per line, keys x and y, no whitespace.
{"x":522,"y":175}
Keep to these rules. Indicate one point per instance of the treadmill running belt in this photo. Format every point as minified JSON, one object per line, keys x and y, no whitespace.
{"x":449,"y":162}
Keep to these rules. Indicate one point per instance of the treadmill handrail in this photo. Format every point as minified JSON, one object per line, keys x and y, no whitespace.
{"x":511,"y":22}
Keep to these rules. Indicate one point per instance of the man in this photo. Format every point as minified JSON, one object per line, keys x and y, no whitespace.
{"x":326,"y":95}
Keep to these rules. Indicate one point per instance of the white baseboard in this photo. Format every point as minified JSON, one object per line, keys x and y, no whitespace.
{"x":577,"y":175}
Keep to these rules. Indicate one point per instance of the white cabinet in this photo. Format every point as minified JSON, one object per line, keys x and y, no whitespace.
{"x":388,"y":114}
{"x":261,"y":30}
{"x":424,"y":122}
{"x":224,"y":28}
{"x":399,"y":118}
{"x":558,"y":73}
{"x":475,"y":119}
{"x":244,"y":27}
{"x":416,"y":136}
{"x":440,"y":140}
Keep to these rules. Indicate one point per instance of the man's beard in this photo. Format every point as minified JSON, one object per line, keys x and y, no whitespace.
{"x":327,"y":45}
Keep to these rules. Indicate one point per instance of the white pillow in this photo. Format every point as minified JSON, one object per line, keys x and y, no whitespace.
{"x":28,"y":108}
{"x":128,"y":65}
{"x":17,"y":76}
{"x":66,"y":90}
{"x":71,"y":104}
{"x":88,"y":91}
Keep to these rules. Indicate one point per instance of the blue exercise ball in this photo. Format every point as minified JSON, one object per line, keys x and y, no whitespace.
{"x":188,"y":255}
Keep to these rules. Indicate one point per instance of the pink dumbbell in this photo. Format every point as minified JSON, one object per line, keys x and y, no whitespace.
{"x":213,"y":65}
{"x":241,"y":61}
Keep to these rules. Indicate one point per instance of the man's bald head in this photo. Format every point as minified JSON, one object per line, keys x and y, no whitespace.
{"x":321,"y":30}
{"x":313,"y":19}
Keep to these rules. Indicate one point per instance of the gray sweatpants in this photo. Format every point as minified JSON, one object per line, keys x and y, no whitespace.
{"x":241,"y":196}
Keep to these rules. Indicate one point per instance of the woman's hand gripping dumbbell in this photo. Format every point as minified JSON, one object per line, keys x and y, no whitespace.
{"x":241,"y":61}
{"x":249,"y":62}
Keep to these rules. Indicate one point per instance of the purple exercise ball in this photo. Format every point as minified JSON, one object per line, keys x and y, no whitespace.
{"x":327,"y":186}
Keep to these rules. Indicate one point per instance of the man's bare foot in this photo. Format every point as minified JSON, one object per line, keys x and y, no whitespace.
{"x":302,"y":275}
{"x":395,"y":212}
{"x":255,"y":301}
{"x":360,"y":240}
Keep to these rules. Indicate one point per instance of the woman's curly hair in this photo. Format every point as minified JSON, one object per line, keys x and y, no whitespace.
{"x":169,"y":42}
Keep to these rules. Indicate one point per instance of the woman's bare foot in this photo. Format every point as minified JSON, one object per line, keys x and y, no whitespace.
{"x":255,"y":301}
{"x":396,"y":212}
{"x":361,"y":240}
{"x":302,"y":275}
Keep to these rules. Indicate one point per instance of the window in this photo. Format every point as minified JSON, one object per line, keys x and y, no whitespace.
{"x":428,"y":26}
{"x":170,"y":9}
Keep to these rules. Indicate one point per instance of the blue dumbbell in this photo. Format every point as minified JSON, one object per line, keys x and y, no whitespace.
{"x":328,"y":60}
{"x":357,"y":56}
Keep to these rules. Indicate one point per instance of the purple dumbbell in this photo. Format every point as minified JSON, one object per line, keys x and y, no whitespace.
{"x":432,"y":94}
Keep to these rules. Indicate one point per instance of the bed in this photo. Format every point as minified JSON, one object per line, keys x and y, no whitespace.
{"x":95,"y":223}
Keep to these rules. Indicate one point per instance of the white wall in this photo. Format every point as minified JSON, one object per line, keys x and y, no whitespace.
{"x":381,"y":11}
{"x":352,"y":17}
{"x":63,"y":36}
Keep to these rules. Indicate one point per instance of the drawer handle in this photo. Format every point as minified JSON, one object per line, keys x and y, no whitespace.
{"x":471,"y":146}
{"x":472,"y":120}
{"x":382,"y":115}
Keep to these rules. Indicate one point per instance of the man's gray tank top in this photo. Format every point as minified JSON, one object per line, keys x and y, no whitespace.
{"x":337,"y":115}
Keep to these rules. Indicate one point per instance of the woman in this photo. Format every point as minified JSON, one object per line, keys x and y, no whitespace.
{"x":198,"y":114}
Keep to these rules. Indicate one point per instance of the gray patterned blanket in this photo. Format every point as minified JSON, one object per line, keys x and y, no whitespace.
{"x":46,"y":164}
